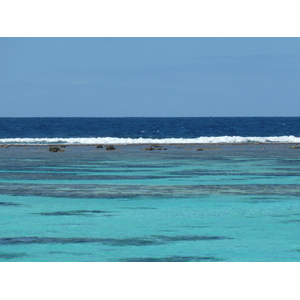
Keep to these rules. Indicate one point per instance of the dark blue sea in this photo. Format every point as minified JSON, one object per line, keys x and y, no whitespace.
{"x":145,"y":130}
{"x":210,"y":190}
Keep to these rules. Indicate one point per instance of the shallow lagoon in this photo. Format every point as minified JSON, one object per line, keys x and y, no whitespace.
{"x":225,"y":203}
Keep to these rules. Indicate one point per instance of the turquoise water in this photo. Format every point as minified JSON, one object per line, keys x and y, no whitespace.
{"x":225,"y":203}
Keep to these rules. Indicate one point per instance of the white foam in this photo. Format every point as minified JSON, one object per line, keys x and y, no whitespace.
{"x":137,"y":141}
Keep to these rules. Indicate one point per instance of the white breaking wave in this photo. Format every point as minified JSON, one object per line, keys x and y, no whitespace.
{"x":137,"y":141}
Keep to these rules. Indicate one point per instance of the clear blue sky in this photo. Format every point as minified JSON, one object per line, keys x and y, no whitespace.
{"x":149,"y":77}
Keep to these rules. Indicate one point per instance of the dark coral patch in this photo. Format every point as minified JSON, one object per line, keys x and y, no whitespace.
{"x":73,"y":213}
{"x":173,"y":259}
{"x":9,"y":204}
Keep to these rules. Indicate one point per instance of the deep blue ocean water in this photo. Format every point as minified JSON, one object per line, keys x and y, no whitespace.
{"x":231,"y":201}
{"x":143,"y":130}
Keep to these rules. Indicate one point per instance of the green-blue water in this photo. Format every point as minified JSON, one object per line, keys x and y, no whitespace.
{"x":225,"y":203}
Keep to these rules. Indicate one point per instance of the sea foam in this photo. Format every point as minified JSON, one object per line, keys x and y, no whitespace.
{"x":137,"y":141}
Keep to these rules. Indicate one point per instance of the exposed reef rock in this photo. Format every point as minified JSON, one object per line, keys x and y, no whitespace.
{"x":155,"y":147}
{"x":207,"y":149}
{"x":149,"y":148}
{"x":110,"y":147}
{"x":55,"y":149}
{"x":295,"y":147}
{"x":99,"y":146}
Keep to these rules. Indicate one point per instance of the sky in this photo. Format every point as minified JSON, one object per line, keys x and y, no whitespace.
{"x":149,"y":76}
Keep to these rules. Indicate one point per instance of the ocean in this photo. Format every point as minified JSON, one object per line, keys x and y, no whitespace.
{"x":148,"y":130}
{"x":209,"y":190}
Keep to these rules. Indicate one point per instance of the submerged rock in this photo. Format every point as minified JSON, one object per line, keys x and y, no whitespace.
{"x":110,"y":147}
